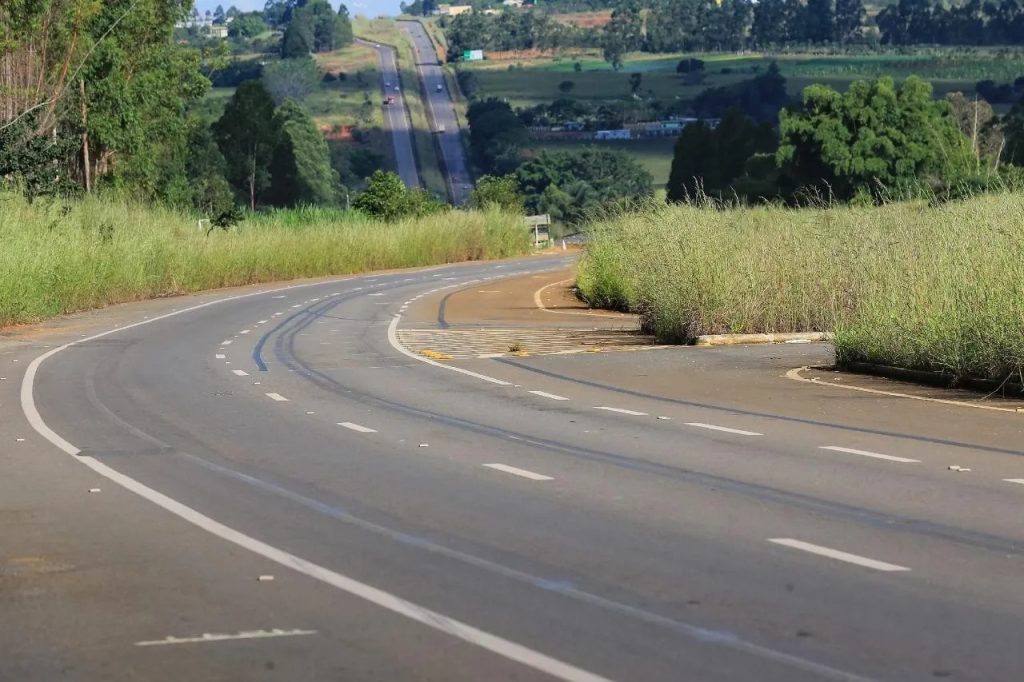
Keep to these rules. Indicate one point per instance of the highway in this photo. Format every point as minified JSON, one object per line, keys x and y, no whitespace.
{"x":432,"y":475}
{"x":396,"y":116}
{"x":441,"y":108}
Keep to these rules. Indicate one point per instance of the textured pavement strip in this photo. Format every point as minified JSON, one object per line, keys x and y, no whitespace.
{"x":471,"y":343}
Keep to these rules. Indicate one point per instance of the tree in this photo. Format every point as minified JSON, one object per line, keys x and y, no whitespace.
{"x":300,"y":167}
{"x":819,"y":19}
{"x":708,"y":161}
{"x":1013,"y":128}
{"x":769,"y":27}
{"x":299,"y":39}
{"x":330,"y":30}
{"x":849,"y":21}
{"x":635,"y":79}
{"x":496,"y":135}
{"x":30,"y":163}
{"x":218,"y":15}
{"x":294,"y":78}
{"x":211,"y":194}
{"x":874,"y":139}
{"x":565,"y":87}
{"x":500,"y":192}
{"x":247,"y":25}
{"x":246,"y":135}
{"x":387,"y":198}
{"x":981,"y":126}
{"x":571,"y":185}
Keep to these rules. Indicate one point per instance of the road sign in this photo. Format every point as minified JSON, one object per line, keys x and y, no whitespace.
{"x":472,"y":55}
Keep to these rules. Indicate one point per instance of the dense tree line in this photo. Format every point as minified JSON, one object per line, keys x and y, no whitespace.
{"x":876,"y":141}
{"x":663,"y":26}
{"x":912,"y":22}
{"x":511,"y":30}
{"x":100,"y":96}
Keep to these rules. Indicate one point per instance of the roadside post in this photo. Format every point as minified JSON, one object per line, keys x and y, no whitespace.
{"x":541,"y":228}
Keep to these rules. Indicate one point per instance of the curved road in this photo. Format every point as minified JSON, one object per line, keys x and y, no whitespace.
{"x":441,"y":106}
{"x":396,"y":116}
{"x":284,"y":489}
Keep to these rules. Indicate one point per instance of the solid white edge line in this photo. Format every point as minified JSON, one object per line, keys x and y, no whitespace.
{"x":837,"y":554}
{"x":621,"y":411}
{"x":515,"y":471}
{"x":467,"y":633}
{"x":357,"y":427}
{"x":866,"y":453}
{"x":239,"y":372}
{"x":726,"y":429}
{"x":552,"y":396}
{"x":393,"y":340}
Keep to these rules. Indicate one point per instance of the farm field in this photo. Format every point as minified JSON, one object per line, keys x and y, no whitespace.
{"x":532,"y":81}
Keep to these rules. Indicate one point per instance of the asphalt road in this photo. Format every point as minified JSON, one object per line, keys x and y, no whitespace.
{"x":396,"y":116}
{"x":442,"y":110}
{"x":672,"y":514}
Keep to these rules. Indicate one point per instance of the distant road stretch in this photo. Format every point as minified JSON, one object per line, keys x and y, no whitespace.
{"x":441,"y":107}
{"x":396,"y":116}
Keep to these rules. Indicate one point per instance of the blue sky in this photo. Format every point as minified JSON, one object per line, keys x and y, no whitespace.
{"x":370,"y":8}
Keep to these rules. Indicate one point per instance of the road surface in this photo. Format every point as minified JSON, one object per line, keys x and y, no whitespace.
{"x":396,"y":116}
{"x":325,"y":481}
{"x":441,"y":108}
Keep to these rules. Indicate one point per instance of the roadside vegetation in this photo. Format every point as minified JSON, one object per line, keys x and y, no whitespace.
{"x":907,"y":284}
{"x":66,"y":256}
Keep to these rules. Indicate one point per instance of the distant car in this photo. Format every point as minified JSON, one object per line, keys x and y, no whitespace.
{"x":387,"y":84}
{"x":440,"y":127}
{"x":396,"y":87}
{"x":440,"y":87}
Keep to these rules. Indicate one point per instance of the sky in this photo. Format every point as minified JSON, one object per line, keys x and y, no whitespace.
{"x":370,"y":8}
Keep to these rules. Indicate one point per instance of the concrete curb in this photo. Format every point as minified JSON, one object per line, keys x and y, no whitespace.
{"x":742,"y":339}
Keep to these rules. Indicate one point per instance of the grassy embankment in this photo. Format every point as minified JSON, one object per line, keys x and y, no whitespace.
{"x":908,"y":285}
{"x":386,"y":31}
{"x":105,"y":251}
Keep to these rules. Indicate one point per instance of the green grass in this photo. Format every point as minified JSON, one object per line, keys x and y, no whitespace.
{"x":60,"y":258}
{"x":386,"y":31}
{"x":906,"y":284}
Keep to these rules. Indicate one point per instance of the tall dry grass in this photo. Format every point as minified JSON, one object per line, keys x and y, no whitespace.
{"x":57,"y":258}
{"x":907,"y":284}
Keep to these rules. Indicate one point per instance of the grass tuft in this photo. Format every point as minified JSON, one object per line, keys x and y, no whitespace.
{"x":938,"y":288}
{"x":58,"y":258}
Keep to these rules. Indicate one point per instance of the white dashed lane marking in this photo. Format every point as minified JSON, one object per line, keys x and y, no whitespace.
{"x":207,"y":637}
{"x":245,"y":331}
{"x":357,"y":427}
{"x":1014,"y":480}
{"x":226,"y":343}
{"x":837,"y":554}
{"x":551,"y":396}
{"x":621,"y":411}
{"x":726,"y":429}
{"x":278,"y":397}
{"x":220,"y":356}
{"x":519,"y":472}
{"x":865,"y":453}
{"x":239,"y":372}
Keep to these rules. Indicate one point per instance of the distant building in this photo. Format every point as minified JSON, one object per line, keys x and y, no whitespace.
{"x":512,"y":3}
{"x":217,"y":31}
{"x":621,"y":134}
{"x":453,"y":10}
